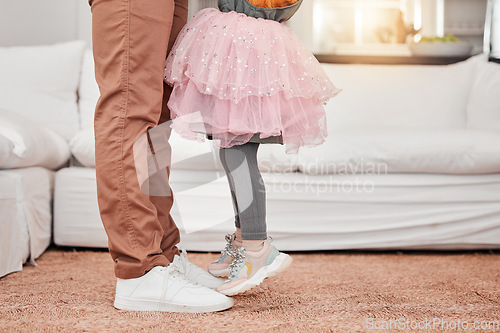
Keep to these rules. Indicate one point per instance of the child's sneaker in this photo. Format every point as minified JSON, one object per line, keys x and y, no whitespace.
{"x":220,"y":267}
{"x":249,"y":269}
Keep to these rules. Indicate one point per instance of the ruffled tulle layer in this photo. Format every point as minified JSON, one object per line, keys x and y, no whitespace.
{"x":302,"y":121}
{"x":232,"y":56}
{"x":234,"y":76}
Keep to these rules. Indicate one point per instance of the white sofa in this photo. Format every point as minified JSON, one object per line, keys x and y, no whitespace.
{"x":412,"y":161}
{"x":38,"y":117}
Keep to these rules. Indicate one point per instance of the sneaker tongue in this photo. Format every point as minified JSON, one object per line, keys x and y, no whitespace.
{"x":176,"y":268}
{"x":179,"y":264}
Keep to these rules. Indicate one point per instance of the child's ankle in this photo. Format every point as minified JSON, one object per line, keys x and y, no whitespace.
{"x":237,"y":235}
{"x":237,"y":238}
{"x":253,"y":245}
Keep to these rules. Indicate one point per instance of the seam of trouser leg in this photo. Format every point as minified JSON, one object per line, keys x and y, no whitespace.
{"x":125,"y":90}
{"x":119,"y":192}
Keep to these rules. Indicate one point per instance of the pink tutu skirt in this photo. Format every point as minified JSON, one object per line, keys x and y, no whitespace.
{"x":235,"y":76}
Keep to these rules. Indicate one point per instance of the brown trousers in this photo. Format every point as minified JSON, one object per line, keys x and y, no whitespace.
{"x":131,"y":40}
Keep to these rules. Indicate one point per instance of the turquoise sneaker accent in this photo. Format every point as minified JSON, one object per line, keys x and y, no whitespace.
{"x":274,"y":253}
{"x":250,"y":268}
{"x":220,"y":267}
{"x":237,"y":264}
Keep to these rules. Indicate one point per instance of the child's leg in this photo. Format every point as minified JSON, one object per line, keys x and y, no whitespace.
{"x":248,"y":196}
{"x":247,"y":190}
{"x":256,"y":259}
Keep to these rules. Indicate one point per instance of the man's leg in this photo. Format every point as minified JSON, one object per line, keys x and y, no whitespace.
{"x":164,"y":204}
{"x":130,"y":41}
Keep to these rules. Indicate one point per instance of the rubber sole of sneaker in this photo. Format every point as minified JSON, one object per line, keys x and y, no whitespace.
{"x":280,"y":263}
{"x":128,"y":304}
{"x":222,"y":273}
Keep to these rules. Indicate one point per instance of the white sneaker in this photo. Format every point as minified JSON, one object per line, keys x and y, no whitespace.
{"x":195,"y":273}
{"x":167,"y":289}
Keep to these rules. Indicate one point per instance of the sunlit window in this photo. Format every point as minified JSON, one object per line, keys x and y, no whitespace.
{"x":362,"y":22}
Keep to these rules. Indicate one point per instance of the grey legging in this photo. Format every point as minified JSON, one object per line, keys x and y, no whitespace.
{"x":247,"y":189}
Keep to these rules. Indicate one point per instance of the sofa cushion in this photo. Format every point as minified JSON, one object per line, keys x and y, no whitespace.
{"x":82,"y":147}
{"x":88,"y":92}
{"x":186,"y":154}
{"x":23,"y":143}
{"x":483,"y":108}
{"x":40,"y":83}
{"x":190,"y":155}
{"x":6,"y":148}
{"x":394,"y":97}
{"x":418,"y":151}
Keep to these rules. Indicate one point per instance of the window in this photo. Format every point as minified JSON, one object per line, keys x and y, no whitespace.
{"x":370,"y":23}
{"x":387,"y":26}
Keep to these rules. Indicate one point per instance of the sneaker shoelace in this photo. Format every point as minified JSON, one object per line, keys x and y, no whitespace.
{"x":171,"y":271}
{"x":228,"y":249}
{"x":239,"y":258}
{"x":178,"y":269}
{"x":183,"y":261}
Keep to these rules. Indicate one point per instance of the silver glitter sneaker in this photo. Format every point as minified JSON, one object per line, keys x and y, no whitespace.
{"x":220,"y":267}
{"x":249,"y":268}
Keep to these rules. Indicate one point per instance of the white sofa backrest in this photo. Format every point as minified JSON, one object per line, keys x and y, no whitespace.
{"x":41,"y":82}
{"x":39,"y":22}
{"x":88,"y":92}
{"x":399,"y":96}
{"x":422,"y":98}
{"x":483,"y":108}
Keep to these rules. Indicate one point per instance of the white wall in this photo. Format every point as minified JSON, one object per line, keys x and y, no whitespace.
{"x":301,"y":24}
{"x":84,"y":18}
{"x":36,"y":22}
{"x":495,"y":30}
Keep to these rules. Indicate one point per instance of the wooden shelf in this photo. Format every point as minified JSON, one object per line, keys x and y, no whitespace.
{"x":387,"y":60}
{"x":464,"y":31}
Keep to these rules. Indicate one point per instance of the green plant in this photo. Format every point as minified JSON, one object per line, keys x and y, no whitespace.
{"x":447,"y":39}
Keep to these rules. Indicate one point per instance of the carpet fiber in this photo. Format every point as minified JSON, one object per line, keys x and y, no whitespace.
{"x":73,"y":291}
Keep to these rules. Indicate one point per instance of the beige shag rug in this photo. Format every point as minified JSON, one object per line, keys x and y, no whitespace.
{"x":72,"y":291}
